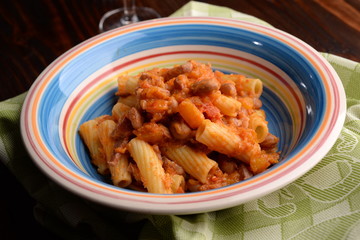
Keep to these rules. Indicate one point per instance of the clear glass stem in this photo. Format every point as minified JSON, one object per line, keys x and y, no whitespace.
{"x":129,"y":12}
{"x":125,"y":15}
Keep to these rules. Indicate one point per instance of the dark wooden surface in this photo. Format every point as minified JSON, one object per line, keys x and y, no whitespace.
{"x":34,"y":33}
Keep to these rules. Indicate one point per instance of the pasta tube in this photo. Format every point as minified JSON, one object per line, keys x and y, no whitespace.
{"x":117,"y":163}
{"x":258,"y":123}
{"x":177,"y":183}
{"x":150,"y":167}
{"x":253,"y":86}
{"x":88,"y":132}
{"x":195,"y":163}
{"x":261,"y":113}
{"x":105,"y":128}
{"x":120,"y":174}
{"x":217,"y":137}
{"x":221,"y":139}
{"x":119,"y":110}
{"x":227,"y":105}
{"x":190,"y":113}
{"x":127,"y":84}
{"x":131,"y":100}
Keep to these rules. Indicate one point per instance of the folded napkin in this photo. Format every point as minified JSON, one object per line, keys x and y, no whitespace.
{"x":323,"y":204}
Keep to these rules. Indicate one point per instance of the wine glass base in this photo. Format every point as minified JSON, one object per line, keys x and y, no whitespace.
{"x":113,"y":18}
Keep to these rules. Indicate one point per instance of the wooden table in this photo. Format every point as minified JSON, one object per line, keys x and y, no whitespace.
{"x":34,"y":33}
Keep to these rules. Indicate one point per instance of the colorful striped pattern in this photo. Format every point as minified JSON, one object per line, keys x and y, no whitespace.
{"x":303,"y":98}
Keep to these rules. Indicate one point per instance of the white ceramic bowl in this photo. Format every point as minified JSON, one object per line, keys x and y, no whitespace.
{"x":303,"y":98}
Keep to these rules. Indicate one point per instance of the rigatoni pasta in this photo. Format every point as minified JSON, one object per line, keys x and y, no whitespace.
{"x":150,"y":167}
{"x":190,"y":113}
{"x":182,"y":129}
{"x":258,"y":123}
{"x":89,"y":134}
{"x":119,"y":170}
{"x":127,"y":85}
{"x":227,"y":105}
{"x":196,"y":163}
{"x":220,"y":138}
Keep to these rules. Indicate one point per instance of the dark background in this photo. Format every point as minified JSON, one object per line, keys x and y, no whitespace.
{"x":34,"y":33}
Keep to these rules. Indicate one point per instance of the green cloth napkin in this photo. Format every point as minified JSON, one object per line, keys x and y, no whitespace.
{"x":323,"y":204}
